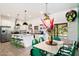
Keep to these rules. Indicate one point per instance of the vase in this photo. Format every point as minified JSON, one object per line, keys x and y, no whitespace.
{"x":50,"y":39}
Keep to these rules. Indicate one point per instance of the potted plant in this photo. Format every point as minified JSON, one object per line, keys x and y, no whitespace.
{"x":49,"y":24}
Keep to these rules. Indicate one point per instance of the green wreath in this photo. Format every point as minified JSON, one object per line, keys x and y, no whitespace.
{"x":71,"y":15}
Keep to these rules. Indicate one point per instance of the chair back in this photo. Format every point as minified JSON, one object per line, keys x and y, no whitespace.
{"x":41,"y":39}
{"x":73,"y":49}
{"x":67,"y":51}
{"x":35,"y":52}
{"x":34,"y":41}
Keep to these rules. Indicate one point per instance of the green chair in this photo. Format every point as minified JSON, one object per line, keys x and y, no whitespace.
{"x":36,"y":52}
{"x":57,"y":38}
{"x":67,"y":51}
{"x":34,"y":41}
{"x":41,"y":39}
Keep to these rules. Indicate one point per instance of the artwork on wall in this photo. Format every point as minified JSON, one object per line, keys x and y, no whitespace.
{"x":71,"y":15}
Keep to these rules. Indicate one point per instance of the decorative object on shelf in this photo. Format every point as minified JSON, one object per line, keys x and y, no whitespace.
{"x":25,"y":23}
{"x":49,"y":24}
{"x":71,"y":15}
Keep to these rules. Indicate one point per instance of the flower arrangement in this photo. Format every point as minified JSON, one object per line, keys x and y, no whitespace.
{"x":49,"y":24}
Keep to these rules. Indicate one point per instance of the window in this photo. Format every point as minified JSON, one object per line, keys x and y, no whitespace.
{"x":60,"y":29}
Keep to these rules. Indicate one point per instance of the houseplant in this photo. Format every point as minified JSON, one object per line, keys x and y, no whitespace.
{"x":49,"y":24}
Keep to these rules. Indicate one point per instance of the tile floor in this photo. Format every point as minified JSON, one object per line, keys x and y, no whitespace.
{"x":6,"y":49}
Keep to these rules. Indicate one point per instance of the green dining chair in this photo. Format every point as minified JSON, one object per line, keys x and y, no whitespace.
{"x":41,"y":39}
{"x":67,"y":51}
{"x":35,"y":52}
{"x":34,"y":41}
{"x":63,"y":53}
{"x":57,"y":38}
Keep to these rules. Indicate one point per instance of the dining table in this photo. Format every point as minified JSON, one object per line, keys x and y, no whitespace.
{"x":53,"y":49}
{"x":49,"y":48}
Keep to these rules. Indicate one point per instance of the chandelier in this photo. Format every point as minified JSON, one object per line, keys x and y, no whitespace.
{"x":17,"y":24}
{"x":25,"y":23}
{"x":46,"y":16}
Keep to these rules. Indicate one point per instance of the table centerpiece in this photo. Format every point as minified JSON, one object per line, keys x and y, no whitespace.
{"x":49,"y":25}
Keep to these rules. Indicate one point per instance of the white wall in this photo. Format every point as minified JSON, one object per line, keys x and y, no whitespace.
{"x":7,"y":22}
{"x":59,"y":17}
{"x":73,"y":29}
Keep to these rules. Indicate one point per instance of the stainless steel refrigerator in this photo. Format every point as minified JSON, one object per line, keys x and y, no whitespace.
{"x":5,"y":34}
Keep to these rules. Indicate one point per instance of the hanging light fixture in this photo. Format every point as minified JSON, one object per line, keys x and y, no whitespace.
{"x":25,"y":23}
{"x":49,"y":24}
{"x":47,"y":21}
{"x":17,"y":24}
{"x":46,"y":16}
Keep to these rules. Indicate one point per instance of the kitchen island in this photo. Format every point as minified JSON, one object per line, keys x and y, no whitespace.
{"x":26,"y":39}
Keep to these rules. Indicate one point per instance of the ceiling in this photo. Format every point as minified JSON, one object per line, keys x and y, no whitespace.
{"x":33,"y":9}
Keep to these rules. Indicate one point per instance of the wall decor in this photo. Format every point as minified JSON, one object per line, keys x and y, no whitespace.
{"x":71,"y":15}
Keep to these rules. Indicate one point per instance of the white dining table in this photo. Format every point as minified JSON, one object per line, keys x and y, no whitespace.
{"x":49,"y":48}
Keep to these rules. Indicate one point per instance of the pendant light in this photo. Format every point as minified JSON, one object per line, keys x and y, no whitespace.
{"x":46,"y":16}
{"x":25,"y":23}
{"x":47,"y":21}
{"x":17,"y":24}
